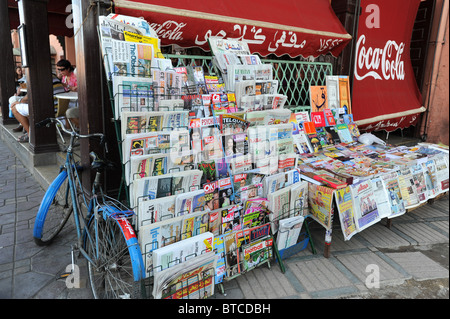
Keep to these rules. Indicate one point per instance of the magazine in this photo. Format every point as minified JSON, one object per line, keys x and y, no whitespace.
{"x":219,"y":249}
{"x":188,"y":202}
{"x":392,"y":186}
{"x":318,"y":98}
{"x":194,"y":224}
{"x":193,"y":279}
{"x":332,"y":84}
{"x":321,"y":204}
{"x":366,"y":209}
{"x":344,"y":94}
{"x":257,"y":253}
{"x":344,"y":203}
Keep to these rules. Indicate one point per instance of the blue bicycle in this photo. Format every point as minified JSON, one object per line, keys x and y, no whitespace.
{"x":105,"y":236}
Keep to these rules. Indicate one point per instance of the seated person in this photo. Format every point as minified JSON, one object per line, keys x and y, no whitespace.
{"x":69,"y":80}
{"x":20,"y":81}
{"x":20,"y":111}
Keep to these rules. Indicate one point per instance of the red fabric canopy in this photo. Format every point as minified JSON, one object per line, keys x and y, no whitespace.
{"x":57,"y":16}
{"x":293,"y":27}
{"x":385,"y":92}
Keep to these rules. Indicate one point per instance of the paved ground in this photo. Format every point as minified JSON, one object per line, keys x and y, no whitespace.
{"x":410,"y":259}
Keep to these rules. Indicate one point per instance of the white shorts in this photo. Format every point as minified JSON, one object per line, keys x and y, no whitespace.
{"x":22,"y":108}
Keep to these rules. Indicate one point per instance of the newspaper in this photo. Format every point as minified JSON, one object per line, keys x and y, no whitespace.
{"x":193,"y":279}
{"x":132,"y":94}
{"x":418,"y":182}
{"x":430,"y":175}
{"x":346,"y":211}
{"x":289,"y":231}
{"x":181,"y":251}
{"x":365,"y":206}
{"x":381,"y":197}
{"x":299,"y":199}
{"x":442,"y":174}
{"x":397,"y":205}
{"x":409,"y":193}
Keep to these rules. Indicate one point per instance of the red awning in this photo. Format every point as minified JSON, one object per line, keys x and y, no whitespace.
{"x":293,"y":27}
{"x":385,"y":92}
{"x":58,"y":13}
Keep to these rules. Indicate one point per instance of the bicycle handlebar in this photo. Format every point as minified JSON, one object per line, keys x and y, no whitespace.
{"x":49,"y":120}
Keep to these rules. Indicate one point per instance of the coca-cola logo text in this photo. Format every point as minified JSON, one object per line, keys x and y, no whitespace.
{"x":379,"y":63}
{"x":169,"y":30}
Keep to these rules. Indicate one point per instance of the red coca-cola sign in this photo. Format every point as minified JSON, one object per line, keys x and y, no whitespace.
{"x":385,"y":95}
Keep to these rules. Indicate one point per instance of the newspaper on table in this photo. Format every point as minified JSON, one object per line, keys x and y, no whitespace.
{"x":397,"y":205}
{"x":193,"y":279}
{"x":430,"y":175}
{"x":442,"y":174}
{"x":344,"y":203}
{"x":408,"y":192}
{"x":381,"y":197}
{"x":418,"y":182}
{"x":364,"y":203}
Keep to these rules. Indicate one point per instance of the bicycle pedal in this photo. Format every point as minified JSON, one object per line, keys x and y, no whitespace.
{"x":63,"y":276}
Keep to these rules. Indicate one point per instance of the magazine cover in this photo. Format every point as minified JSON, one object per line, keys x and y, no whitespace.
{"x":346,"y":211}
{"x":318,"y":98}
{"x":257,"y":253}
{"x":193,"y":279}
{"x":231,"y":253}
{"x":321,"y":204}
{"x":194,"y":224}
{"x":366,"y":210}
{"x":219,"y":249}
{"x":344,"y":94}
{"x":332,"y":84}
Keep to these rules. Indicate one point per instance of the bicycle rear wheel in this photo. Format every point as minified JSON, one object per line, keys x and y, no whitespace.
{"x":116,"y":271}
{"x":54,"y":211}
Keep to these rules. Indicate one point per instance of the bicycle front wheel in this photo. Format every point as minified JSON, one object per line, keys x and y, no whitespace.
{"x":54,"y":211}
{"x":115,"y":272}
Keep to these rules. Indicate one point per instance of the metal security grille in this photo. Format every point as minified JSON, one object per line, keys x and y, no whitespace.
{"x":295,"y":77}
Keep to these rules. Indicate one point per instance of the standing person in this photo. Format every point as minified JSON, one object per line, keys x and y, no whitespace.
{"x":69,"y":81}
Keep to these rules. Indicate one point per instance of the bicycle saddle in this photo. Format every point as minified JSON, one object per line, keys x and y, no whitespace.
{"x":98,"y":164}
